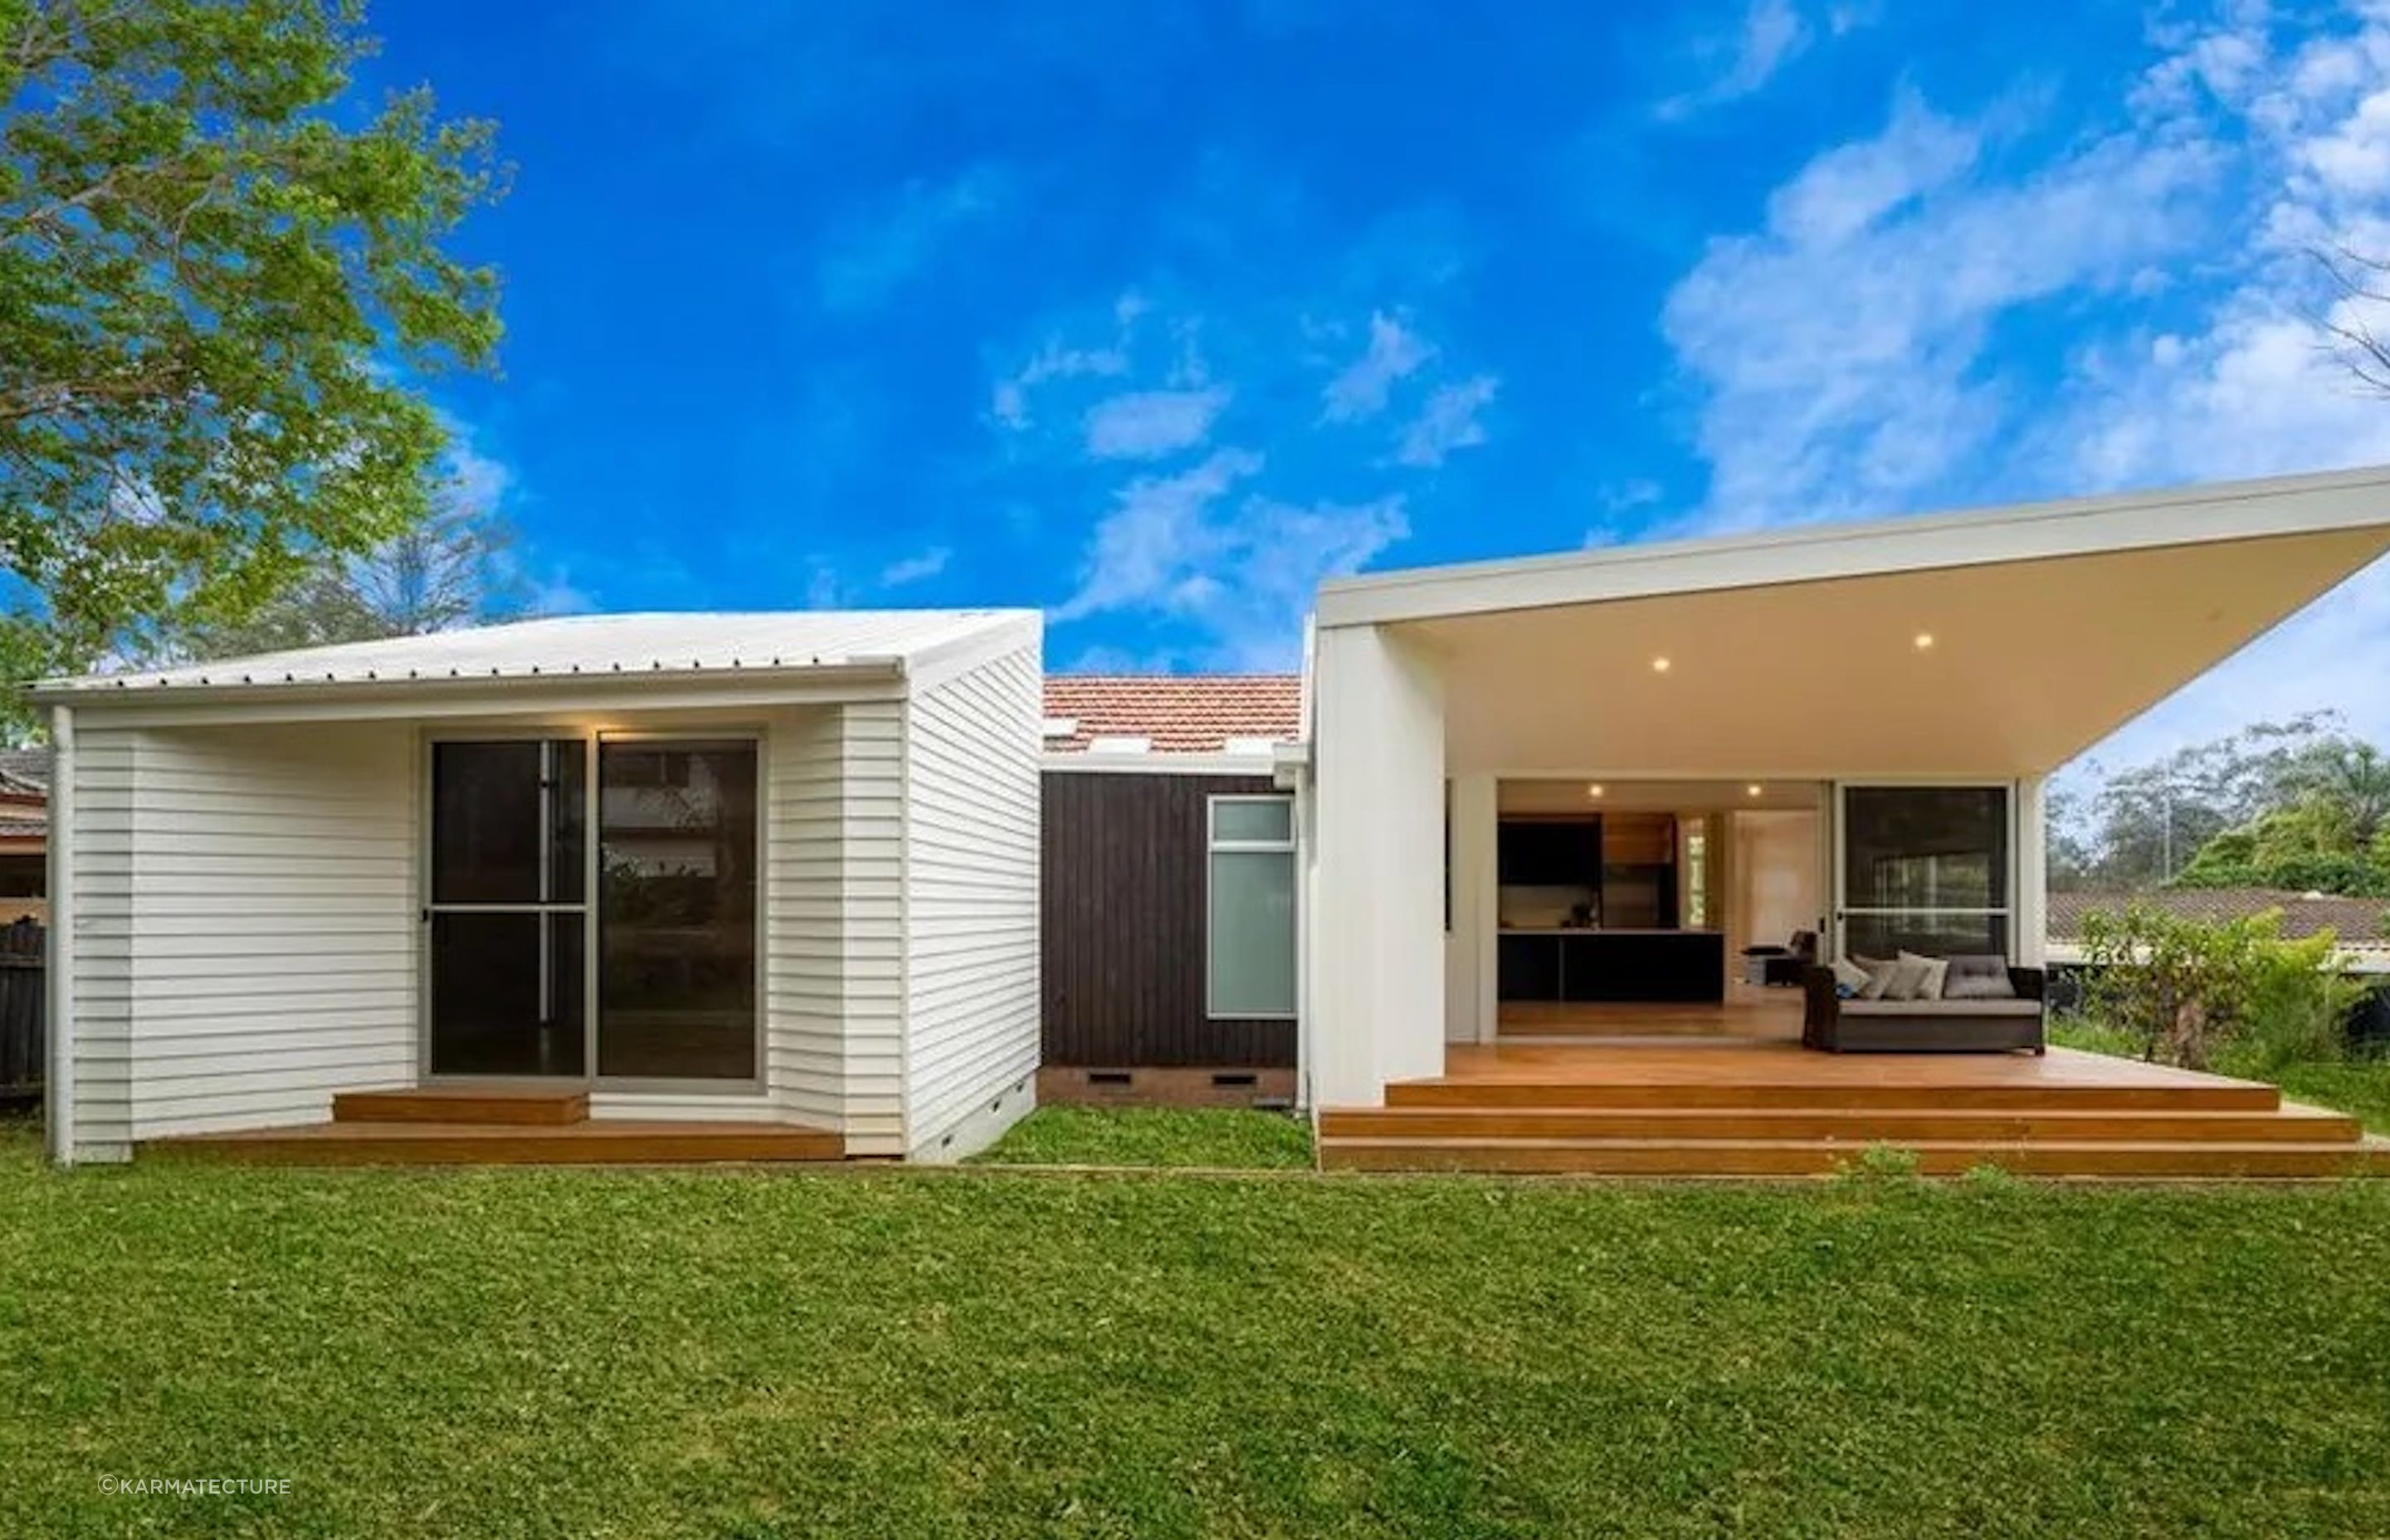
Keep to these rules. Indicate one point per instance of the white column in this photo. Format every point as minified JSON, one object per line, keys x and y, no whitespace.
{"x":1469,"y":946}
{"x":2031,"y":902}
{"x":59,"y":1111}
{"x":1377,"y":923}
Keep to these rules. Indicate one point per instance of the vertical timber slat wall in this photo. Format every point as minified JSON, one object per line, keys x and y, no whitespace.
{"x":1126,"y":876}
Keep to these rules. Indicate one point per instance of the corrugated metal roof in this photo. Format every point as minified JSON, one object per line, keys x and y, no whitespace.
{"x":1191,"y":713}
{"x":654,"y":643}
{"x":2355,"y":922}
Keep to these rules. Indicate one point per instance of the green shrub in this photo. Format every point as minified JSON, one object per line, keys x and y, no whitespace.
{"x":2184,"y":990}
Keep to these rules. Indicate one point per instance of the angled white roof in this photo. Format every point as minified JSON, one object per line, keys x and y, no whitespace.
{"x":658,"y":644}
{"x":2282,"y":506}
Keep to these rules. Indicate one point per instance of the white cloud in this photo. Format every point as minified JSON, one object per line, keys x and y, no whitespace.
{"x":880,"y":249}
{"x":1772,"y":33}
{"x":1851,"y":353}
{"x":1448,"y":423}
{"x":1144,"y":425}
{"x":917,"y":568}
{"x":1361,"y":389}
{"x":1157,"y":539}
{"x":1844,"y":348}
{"x":1236,"y":568}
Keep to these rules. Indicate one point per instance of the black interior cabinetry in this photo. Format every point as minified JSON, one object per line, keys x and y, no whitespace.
{"x":1528,"y":968}
{"x":1548,"y":853}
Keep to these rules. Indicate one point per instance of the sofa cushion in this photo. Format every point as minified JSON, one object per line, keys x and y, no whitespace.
{"x":1980,"y":976}
{"x":1879,"y":971}
{"x":1942,"y":1008}
{"x":1850,"y":979}
{"x":1910,"y":975}
{"x":1930,"y":986}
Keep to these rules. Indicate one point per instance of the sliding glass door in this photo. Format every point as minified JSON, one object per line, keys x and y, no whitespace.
{"x":508,"y":915}
{"x":1926,"y":869}
{"x":676,"y":915}
{"x":630,"y":957}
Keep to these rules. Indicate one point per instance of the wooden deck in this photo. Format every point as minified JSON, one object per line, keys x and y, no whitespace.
{"x":1746,"y":1013}
{"x":500,"y":1125}
{"x":1756,"y":1107}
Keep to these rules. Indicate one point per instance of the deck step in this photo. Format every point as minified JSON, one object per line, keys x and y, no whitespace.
{"x":1819,"y":1158}
{"x":1845,"y":1125}
{"x":1728,"y":1092}
{"x":528,"y":1105}
{"x":626,"y":1141}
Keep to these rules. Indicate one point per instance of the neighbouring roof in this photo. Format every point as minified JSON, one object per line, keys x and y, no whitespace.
{"x":656,"y":643}
{"x":2355,"y":922}
{"x":24,"y":772}
{"x":1189,"y":713}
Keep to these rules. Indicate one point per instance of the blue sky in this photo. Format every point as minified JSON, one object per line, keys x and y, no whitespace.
{"x":1154,"y":313}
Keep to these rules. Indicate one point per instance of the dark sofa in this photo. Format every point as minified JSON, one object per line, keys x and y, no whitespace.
{"x":1838,"y":1025}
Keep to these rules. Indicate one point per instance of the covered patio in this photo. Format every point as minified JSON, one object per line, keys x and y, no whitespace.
{"x":1915,"y":681}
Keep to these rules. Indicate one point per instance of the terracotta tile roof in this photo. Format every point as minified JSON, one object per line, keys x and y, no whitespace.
{"x":2356,"y":921}
{"x":1176,"y":714}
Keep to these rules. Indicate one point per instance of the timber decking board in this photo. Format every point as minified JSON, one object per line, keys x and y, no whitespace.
{"x":539,"y":1106}
{"x":622,"y":1141}
{"x":1753,"y":1107}
{"x":1814,"y":1157}
{"x":1844,"y":1126}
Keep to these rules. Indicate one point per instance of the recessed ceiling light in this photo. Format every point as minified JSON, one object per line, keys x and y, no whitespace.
{"x":1754,"y":789}
{"x":1924,"y":640}
{"x":1594,"y":791}
{"x":1659,"y":665}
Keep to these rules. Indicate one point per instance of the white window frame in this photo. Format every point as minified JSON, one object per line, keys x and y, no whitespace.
{"x":1215,"y":845}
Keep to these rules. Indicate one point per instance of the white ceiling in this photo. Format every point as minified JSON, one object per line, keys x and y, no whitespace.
{"x":2032,"y":662}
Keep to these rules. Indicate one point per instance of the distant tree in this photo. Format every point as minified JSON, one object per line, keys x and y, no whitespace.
{"x":2139,"y":827}
{"x":219,"y":282}
{"x":455,"y":568}
{"x":2350,"y":777}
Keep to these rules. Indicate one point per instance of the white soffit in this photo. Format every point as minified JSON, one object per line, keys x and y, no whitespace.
{"x":2030,"y":664}
{"x":662,"y":645}
{"x":2337,"y":501}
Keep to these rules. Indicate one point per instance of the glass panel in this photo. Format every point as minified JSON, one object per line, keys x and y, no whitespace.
{"x":1240,"y":822}
{"x":1251,"y":957}
{"x":505,"y":822}
{"x":1926,"y":847}
{"x":676,"y":913}
{"x":1926,"y":933}
{"x":490,"y":1015}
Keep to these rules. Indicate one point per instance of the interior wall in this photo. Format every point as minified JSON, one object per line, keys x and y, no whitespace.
{"x":1775,"y":863}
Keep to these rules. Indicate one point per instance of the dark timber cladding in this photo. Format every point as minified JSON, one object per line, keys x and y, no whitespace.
{"x":1125,"y":892}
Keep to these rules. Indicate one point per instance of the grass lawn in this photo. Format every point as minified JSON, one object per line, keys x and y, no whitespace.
{"x":1219,"y":1138}
{"x":991,"y":1354}
{"x":2360,"y":1087}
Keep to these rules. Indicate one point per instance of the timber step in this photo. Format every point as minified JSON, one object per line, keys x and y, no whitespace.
{"x":528,"y":1105}
{"x":1844,"y":1126}
{"x":1819,"y":1158}
{"x":2209,"y":1094}
{"x":626,"y":1141}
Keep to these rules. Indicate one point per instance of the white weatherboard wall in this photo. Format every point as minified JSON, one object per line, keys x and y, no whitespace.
{"x":1377,"y":922}
{"x":833,"y":938}
{"x":970,"y":861}
{"x":244,"y":926}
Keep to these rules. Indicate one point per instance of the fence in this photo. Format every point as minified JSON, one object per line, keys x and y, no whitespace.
{"x":22,"y":1016}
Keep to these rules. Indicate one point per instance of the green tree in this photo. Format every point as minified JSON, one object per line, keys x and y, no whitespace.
{"x":457,"y":567}
{"x":219,"y":282}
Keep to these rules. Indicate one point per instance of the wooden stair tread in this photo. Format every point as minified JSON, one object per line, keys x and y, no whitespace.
{"x":542,"y":1105}
{"x":616,"y":1141}
{"x":1863,"y":1125}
